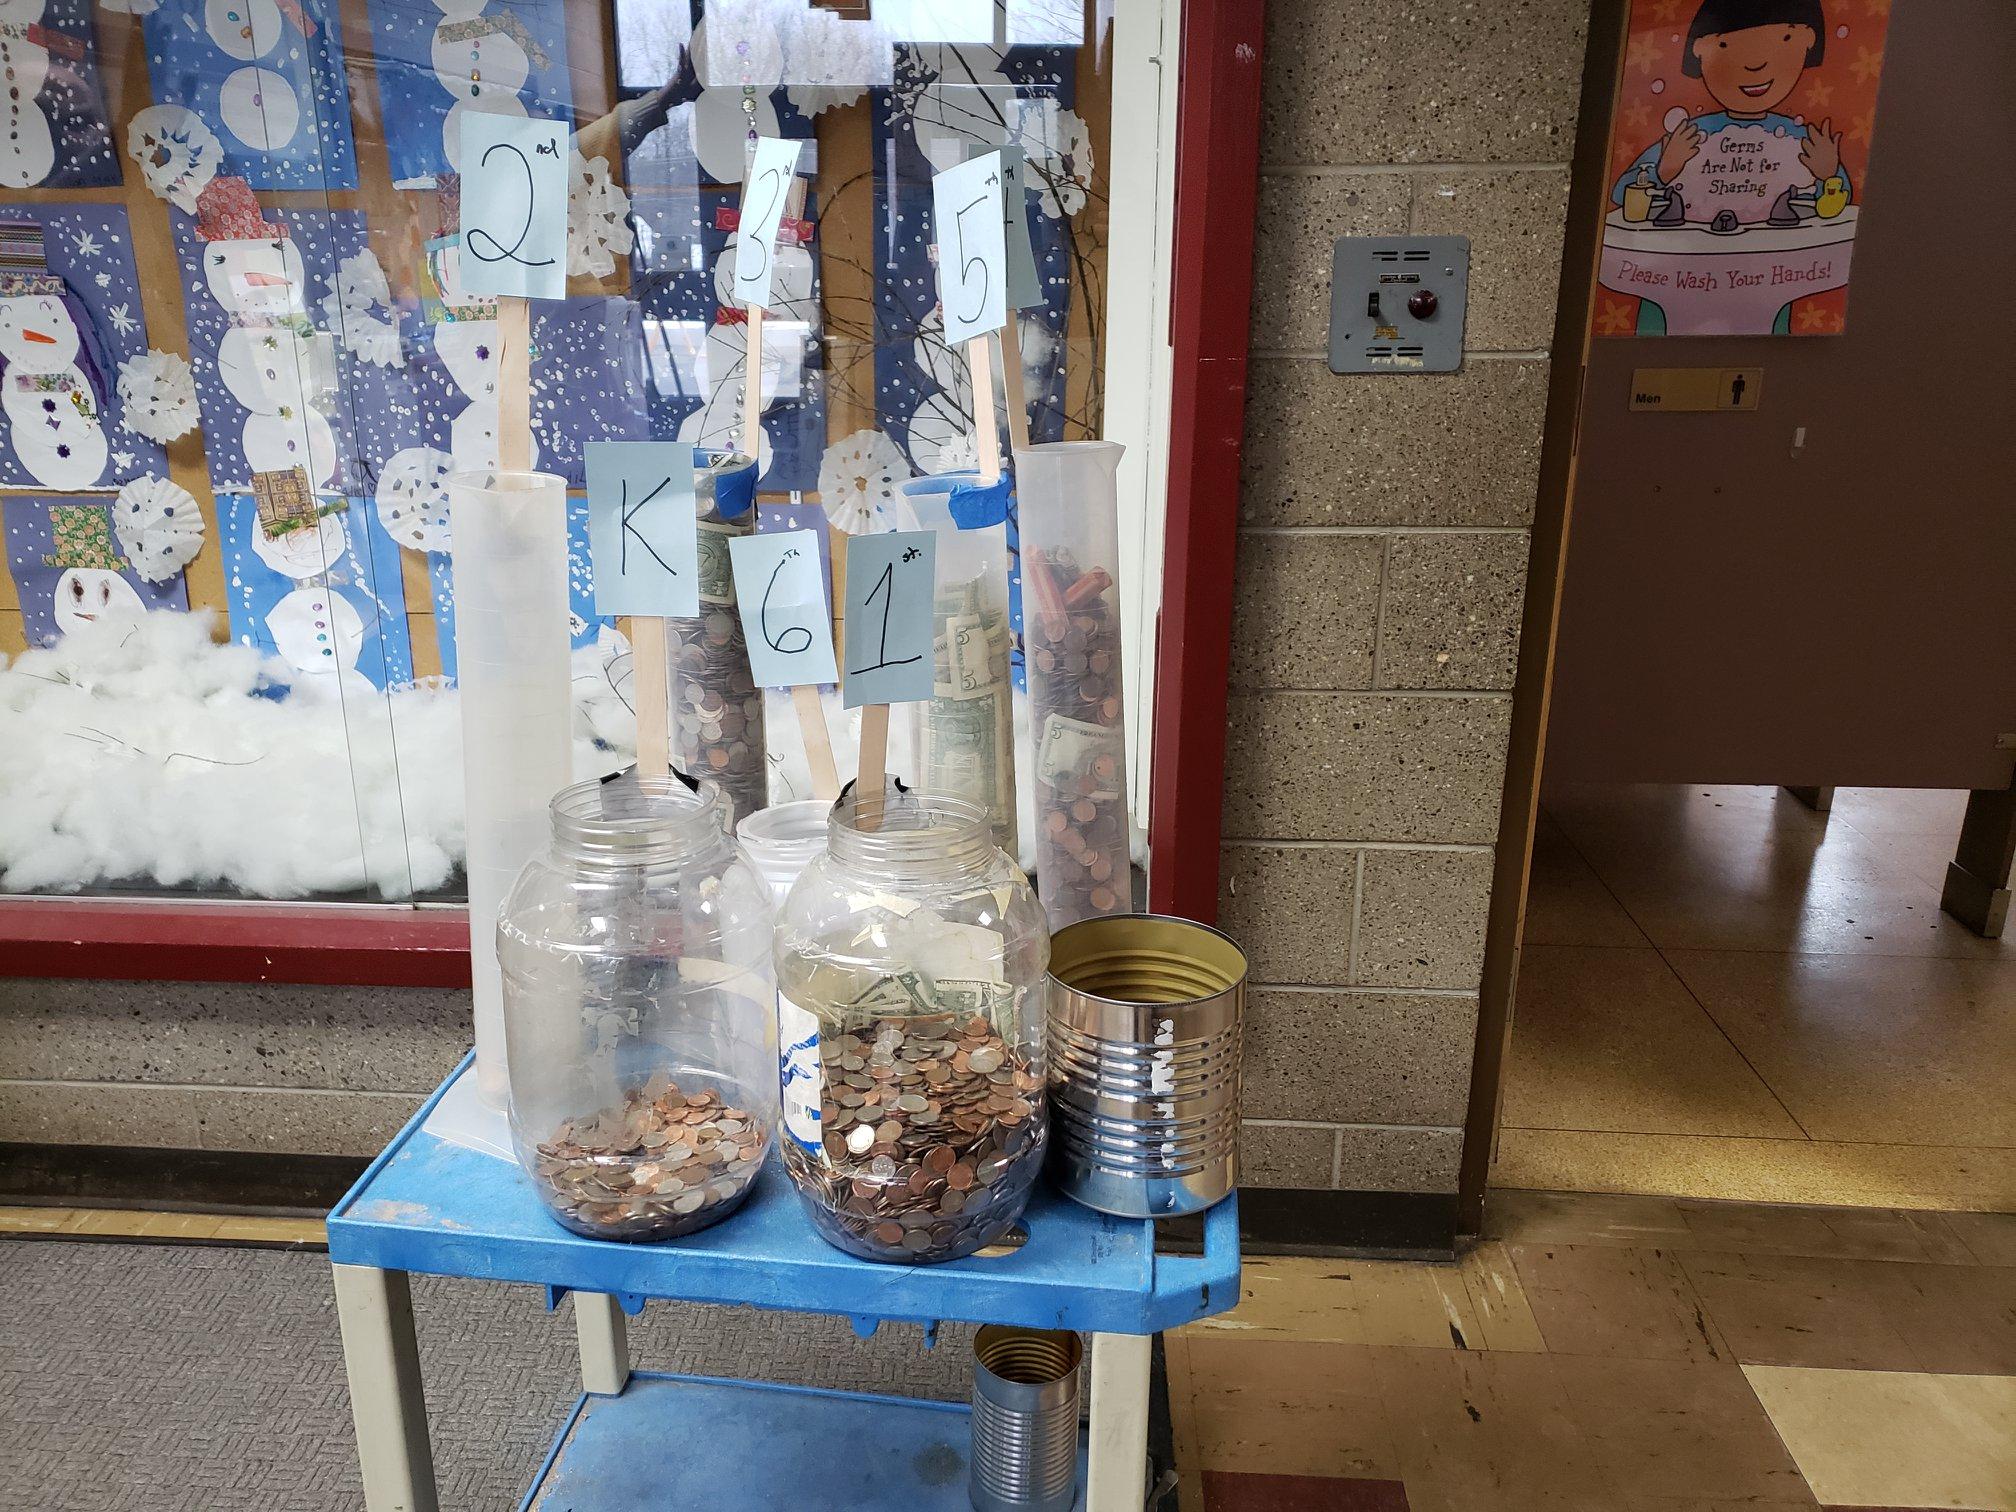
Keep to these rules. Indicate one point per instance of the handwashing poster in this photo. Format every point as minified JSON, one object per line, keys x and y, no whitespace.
{"x":1738,"y":154}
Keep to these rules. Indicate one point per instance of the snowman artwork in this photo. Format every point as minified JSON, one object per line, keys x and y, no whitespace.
{"x":466,"y":342}
{"x":90,"y":587}
{"x":257,"y":106}
{"x":27,"y":147}
{"x":272,"y":360}
{"x":482,"y":61}
{"x":54,"y":411}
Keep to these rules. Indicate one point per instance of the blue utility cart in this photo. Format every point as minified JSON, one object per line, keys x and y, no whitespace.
{"x":439,"y":1207}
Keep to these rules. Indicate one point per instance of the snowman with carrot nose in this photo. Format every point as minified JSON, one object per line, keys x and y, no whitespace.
{"x":55,"y":413}
{"x":1744,"y":161}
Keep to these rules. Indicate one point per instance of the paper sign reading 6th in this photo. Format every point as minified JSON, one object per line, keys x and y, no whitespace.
{"x":642,"y":535}
{"x":890,"y":582}
{"x":763,"y":194}
{"x":966,"y":214}
{"x":780,"y":592}
{"x":514,"y":206}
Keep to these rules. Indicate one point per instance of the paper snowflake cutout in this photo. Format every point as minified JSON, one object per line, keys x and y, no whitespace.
{"x":413,"y":497}
{"x":598,"y":220}
{"x":159,"y":525}
{"x":1056,"y":155}
{"x":122,"y":319}
{"x":358,"y":292}
{"x":861,"y":480}
{"x":158,"y":394}
{"x":178,"y":155}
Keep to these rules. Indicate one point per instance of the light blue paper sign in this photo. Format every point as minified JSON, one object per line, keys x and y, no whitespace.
{"x":781,"y":595}
{"x":642,"y":534}
{"x":764,"y":192}
{"x":514,"y":206}
{"x":1024,"y":286}
{"x":890,"y":582}
{"x":966,"y":215}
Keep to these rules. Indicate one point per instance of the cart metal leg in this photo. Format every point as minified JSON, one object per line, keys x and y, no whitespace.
{"x":604,"y":1338}
{"x":387,"y":1401}
{"x":1117,"y":1480}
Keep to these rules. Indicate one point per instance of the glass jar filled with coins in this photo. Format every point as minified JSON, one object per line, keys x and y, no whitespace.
{"x":910,"y":964}
{"x":638,"y":1011}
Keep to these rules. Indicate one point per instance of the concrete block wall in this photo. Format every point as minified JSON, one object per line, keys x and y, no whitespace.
{"x":1382,"y":559}
{"x":221,"y":1065}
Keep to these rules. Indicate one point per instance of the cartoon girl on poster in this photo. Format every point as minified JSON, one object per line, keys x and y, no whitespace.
{"x":1746,"y":169}
{"x":1749,"y":55}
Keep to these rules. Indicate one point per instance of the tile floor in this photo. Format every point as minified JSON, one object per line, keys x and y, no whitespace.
{"x":1724,"y":994}
{"x":1618,"y":1354}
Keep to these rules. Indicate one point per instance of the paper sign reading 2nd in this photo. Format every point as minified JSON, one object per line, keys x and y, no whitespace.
{"x":642,"y":536}
{"x":771,"y":167}
{"x":514,"y":206}
{"x":890,"y":582}
{"x":972,"y":248}
{"x":780,"y":593}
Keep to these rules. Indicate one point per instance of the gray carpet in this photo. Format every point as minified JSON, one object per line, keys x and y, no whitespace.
{"x":191,"y":1379}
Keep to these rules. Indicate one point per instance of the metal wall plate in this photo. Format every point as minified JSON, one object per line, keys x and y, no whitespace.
{"x":1372,"y":327}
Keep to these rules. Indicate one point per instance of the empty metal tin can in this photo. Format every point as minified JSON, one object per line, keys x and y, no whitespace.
{"x":1025,"y":1420}
{"x":1145,"y":1015}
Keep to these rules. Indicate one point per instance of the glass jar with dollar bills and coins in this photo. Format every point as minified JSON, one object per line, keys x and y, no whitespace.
{"x":638,"y":1017}
{"x":717,"y":709}
{"x":910,"y":964}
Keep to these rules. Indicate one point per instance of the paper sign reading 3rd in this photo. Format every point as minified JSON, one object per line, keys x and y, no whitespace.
{"x":966,"y":209}
{"x":514,"y":206}
{"x":780,"y":592}
{"x":643,"y":538}
{"x":890,"y":582}
{"x":764,"y":192}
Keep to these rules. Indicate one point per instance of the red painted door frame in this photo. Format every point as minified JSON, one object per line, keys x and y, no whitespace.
{"x":1216,"y":193}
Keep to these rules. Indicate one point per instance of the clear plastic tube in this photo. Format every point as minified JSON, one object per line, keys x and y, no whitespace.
{"x":716,"y":707}
{"x":1072,"y":630}
{"x":512,"y":669}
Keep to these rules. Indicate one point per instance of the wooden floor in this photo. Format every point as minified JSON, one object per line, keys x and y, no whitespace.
{"x":1618,"y":1354}
{"x":1725,"y":994}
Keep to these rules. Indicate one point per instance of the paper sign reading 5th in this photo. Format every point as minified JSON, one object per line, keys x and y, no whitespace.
{"x":890,"y":582}
{"x":643,"y":539}
{"x":780,"y":591}
{"x":771,"y":167}
{"x":514,"y":206}
{"x":966,"y":211}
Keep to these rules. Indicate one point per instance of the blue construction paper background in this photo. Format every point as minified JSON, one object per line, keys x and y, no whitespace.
{"x":90,"y":247}
{"x":367,"y":575}
{"x":413,"y":103}
{"x":188,"y":68}
{"x":31,"y":536}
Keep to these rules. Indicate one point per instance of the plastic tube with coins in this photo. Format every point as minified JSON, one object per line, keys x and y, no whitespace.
{"x":1071,"y":623}
{"x":716,"y":707}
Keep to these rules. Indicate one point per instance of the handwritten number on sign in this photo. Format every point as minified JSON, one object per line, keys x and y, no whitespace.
{"x":968,"y":264}
{"x":966,"y":211}
{"x":772,"y":166}
{"x":771,"y":185}
{"x":480,"y":237}
{"x":884,"y":589}
{"x":628,"y":513}
{"x":783,"y":641}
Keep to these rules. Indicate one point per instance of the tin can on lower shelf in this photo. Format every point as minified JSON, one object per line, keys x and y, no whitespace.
{"x":1025,"y":1420}
{"x":1145,"y":1016}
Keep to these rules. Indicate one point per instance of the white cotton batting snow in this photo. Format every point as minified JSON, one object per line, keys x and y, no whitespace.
{"x":141,"y":750}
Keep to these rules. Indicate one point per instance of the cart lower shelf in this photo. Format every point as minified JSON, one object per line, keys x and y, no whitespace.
{"x":685,"y":1442}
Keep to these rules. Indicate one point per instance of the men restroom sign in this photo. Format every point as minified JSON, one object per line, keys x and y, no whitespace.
{"x":1737,"y":153}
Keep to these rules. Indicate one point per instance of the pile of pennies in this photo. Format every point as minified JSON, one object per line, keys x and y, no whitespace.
{"x":660,"y":1164}
{"x":1076,"y":710}
{"x":717,"y":709}
{"x":932,"y":1130}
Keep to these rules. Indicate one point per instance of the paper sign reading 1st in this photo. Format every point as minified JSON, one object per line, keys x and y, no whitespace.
{"x":966,"y":210}
{"x":514,"y":206}
{"x":780,"y":592}
{"x":771,"y":167}
{"x":890,"y":582}
{"x":643,"y":539}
